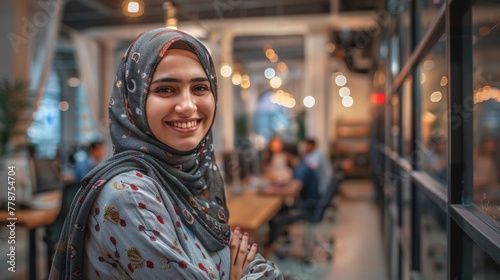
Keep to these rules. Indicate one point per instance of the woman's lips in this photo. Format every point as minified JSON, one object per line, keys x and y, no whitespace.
{"x":184,"y":126}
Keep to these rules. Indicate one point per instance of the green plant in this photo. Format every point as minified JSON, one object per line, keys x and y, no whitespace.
{"x":13,"y":101}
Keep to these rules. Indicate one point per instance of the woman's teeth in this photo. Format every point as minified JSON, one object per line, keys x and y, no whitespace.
{"x":184,"y":124}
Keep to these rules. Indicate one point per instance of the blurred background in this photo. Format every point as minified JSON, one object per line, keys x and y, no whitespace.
{"x":400,"y":97}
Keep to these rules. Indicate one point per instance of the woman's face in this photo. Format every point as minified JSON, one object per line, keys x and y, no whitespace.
{"x":180,"y":105}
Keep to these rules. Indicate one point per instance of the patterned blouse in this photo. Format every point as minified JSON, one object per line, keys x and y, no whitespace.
{"x":135,"y":233}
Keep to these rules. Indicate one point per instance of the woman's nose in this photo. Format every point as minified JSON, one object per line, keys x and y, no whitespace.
{"x":185,"y":104}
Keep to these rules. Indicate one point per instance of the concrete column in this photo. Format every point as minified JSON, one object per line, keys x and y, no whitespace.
{"x":226,"y":99}
{"x":108,"y":48}
{"x":108,"y":70}
{"x":20,"y":34}
{"x":315,"y":84}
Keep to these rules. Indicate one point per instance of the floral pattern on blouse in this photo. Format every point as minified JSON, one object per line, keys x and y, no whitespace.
{"x":135,"y":232}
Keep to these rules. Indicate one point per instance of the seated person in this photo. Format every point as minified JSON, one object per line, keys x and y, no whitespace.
{"x":304,"y":185}
{"x":96,"y":152}
{"x":275,"y":162}
{"x":318,"y":161}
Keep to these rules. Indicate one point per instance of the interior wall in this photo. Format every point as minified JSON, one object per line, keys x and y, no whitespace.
{"x":5,"y":45}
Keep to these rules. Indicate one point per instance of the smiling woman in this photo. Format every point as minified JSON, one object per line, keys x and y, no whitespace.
{"x":157,"y":209}
{"x":180,"y":106}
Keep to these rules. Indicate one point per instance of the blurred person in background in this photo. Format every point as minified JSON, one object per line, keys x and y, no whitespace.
{"x":317,"y":160}
{"x":95,"y":153}
{"x":157,"y":209}
{"x":304,"y":185}
{"x":276,"y":167}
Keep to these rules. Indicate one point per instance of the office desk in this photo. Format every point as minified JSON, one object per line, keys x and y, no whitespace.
{"x":32,"y":219}
{"x":250,"y":211}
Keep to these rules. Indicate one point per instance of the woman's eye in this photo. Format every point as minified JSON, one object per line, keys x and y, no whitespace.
{"x":201,"y":88}
{"x":164,"y":90}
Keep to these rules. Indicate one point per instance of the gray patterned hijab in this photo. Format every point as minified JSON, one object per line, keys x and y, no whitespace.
{"x":191,"y":178}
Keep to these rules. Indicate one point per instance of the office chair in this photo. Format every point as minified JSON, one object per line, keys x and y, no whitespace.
{"x":318,"y":214}
{"x":53,"y":231}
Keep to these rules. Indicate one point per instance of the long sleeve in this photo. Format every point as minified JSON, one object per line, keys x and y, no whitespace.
{"x":261,"y":268}
{"x":134,"y":232}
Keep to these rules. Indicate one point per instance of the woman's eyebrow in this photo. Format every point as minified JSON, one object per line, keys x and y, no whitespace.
{"x":175,"y":80}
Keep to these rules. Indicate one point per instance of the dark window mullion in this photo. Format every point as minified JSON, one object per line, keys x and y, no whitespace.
{"x":459,"y":49}
{"x":416,"y":134}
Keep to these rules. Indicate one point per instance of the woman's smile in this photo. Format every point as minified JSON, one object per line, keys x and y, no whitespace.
{"x":184,"y":126}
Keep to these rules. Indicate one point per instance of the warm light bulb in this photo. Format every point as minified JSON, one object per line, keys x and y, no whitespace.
{"x":236,"y":79}
{"x":133,"y":7}
{"x":436,"y":96}
{"x":226,"y":71}
{"x":275,"y":82}
{"x":245,"y":81}
{"x":282,"y":67}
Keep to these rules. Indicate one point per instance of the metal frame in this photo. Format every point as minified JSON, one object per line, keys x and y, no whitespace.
{"x":467,"y":225}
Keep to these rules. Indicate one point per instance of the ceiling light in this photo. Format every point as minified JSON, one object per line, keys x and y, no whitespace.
{"x":245,"y":81}
{"x":275,"y":82}
{"x":133,"y":8}
{"x":344,"y":91}
{"x":347,"y":101}
{"x":270,"y":53}
{"x":341,"y":80}
{"x":309,"y":101}
{"x":269,"y":73}
{"x":274,"y":58}
{"x":236,"y":79}
{"x":282,"y":67}
{"x":226,"y":71}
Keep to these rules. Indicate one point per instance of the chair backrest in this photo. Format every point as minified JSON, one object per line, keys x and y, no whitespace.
{"x":326,"y":200}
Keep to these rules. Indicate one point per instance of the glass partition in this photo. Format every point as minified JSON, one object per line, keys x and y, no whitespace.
{"x":433,"y":237}
{"x":486,"y":107}
{"x":429,"y":9}
{"x":432,"y":84}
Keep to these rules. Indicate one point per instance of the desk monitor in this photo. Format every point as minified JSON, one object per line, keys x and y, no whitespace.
{"x":47,"y":175}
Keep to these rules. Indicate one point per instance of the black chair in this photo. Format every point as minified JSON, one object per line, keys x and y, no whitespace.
{"x":317,"y":216}
{"x":53,"y":231}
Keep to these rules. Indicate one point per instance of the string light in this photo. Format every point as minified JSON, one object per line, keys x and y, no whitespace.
{"x":226,"y":71}
{"x":309,"y":101}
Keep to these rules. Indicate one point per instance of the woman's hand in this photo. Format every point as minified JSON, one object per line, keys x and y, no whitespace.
{"x":241,"y":253}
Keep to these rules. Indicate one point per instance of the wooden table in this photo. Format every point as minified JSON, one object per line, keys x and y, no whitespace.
{"x":250,"y":211}
{"x":32,"y":219}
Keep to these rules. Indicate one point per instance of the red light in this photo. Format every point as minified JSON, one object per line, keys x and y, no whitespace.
{"x":377,"y":98}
